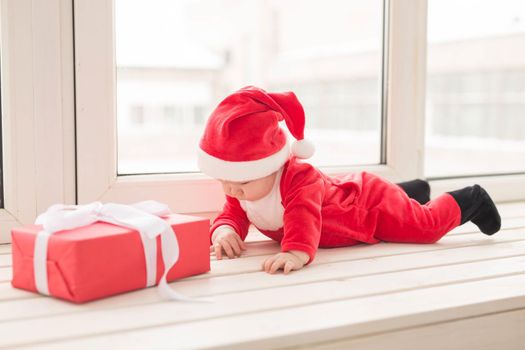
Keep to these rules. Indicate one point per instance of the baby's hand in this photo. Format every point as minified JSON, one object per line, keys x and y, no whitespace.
{"x":288,"y":261}
{"x":228,"y":241}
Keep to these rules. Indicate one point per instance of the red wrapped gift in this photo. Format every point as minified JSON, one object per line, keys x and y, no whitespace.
{"x":82,"y":253}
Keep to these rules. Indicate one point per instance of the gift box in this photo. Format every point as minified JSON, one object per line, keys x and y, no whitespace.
{"x":103,"y":259}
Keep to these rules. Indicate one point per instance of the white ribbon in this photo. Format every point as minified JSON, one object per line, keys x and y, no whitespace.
{"x":143,"y":217}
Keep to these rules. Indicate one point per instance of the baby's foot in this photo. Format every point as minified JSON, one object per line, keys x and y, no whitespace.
{"x":477,"y":206}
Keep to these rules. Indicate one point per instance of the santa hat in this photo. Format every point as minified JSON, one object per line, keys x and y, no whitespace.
{"x":243,"y":141}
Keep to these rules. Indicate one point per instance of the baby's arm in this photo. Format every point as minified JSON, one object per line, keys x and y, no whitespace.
{"x":224,"y":238}
{"x":302,"y":201}
{"x":229,"y":230}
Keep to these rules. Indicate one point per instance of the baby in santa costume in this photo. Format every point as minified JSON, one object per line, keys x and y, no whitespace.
{"x":290,"y":201}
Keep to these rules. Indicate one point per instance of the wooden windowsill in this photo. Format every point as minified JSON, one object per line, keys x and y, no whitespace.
{"x":467,"y":290}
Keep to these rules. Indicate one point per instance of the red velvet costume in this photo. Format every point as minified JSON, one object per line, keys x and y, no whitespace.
{"x":324,"y":211}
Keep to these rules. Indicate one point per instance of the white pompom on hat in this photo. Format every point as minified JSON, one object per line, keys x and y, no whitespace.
{"x":242,"y":140}
{"x":303,"y":148}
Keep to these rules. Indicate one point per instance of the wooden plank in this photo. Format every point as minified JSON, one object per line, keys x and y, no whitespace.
{"x":324,"y":256}
{"x":495,"y":331}
{"x":511,"y":209}
{"x":360,"y":286}
{"x":5,"y":274}
{"x":506,"y":224}
{"x":267,"y":247}
{"x":363,"y":269}
{"x":5,"y":260}
{"x":303,"y":324}
{"x":366,"y":266}
{"x":5,"y":248}
{"x":8,"y":293}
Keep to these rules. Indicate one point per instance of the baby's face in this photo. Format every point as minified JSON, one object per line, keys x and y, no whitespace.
{"x":249,"y":190}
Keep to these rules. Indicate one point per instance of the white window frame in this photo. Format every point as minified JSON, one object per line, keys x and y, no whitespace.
{"x":96,"y":115}
{"x":37,"y":109}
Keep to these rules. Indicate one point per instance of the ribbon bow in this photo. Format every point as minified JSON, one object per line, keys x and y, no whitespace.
{"x":143,"y":217}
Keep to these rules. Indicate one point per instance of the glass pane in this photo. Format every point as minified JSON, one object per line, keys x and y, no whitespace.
{"x":177,"y":59}
{"x":475,"y":87}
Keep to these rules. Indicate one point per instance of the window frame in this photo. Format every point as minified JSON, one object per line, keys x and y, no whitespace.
{"x":194,"y":193}
{"x":37,"y":109}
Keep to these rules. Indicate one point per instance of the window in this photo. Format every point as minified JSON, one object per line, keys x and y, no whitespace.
{"x":105,"y":86}
{"x":175,"y":60}
{"x":475,"y":88}
{"x":59,"y":109}
{"x":102,"y":81}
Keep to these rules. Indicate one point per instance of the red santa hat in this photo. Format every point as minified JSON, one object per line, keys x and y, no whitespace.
{"x":243,"y":141}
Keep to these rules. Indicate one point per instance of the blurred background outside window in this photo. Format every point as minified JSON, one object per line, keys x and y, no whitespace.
{"x":176,"y":60}
{"x":475,"y":106}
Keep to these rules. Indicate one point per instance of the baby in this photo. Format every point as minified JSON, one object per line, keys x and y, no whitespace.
{"x":294,"y":203}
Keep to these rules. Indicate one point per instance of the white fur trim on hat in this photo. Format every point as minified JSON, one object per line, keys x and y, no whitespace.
{"x":242,"y":171}
{"x":303,"y":148}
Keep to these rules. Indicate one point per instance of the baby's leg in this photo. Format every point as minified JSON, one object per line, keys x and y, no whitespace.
{"x":401,"y":219}
{"x":474,"y":202}
{"x":416,"y":189}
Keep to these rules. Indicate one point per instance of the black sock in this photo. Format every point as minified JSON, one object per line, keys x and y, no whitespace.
{"x":416,"y":189}
{"x":477,"y":206}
